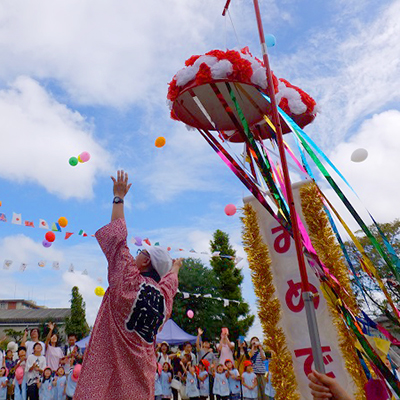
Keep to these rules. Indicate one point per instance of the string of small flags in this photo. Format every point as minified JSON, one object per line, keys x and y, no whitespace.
{"x":137,"y":241}
{"x":208,"y":296}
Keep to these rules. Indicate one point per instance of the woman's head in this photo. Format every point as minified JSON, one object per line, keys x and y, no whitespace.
{"x":35,"y":334}
{"x":188,"y":347}
{"x":164,"y":347}
{"x":2,"y":371}
{"x":54,"y":340}
{"x":206,"y":344}
{"x":37,"y":349}
{"x":47,"y":373}
{"x":60,"y":371}
{"x":254,"y":341}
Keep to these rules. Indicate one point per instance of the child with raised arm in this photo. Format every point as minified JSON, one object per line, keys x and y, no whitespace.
{"x":119,"y":362}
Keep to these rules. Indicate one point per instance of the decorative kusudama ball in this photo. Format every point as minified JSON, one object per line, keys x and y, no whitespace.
{"x":50,"y":236}
{"x":46,"y":243}
{"x":359,"y":155}
{"x":63,"y":222}
{"x":84,"y":156}
{"x":160,"y":141}
{"x":230,"y":210}
{"x":190,"y":314}
{"x":73,"y":161}
{"x":99,"y":291}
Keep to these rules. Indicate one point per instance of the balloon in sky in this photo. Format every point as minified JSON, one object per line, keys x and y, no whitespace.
{"x":63,"y":222}
{"x":84,"y":156}
{"x":46,"y":244}
{"x":99,"y":291}
{"x":230,"y":210}
{"x":138,"y":241}
{"x":50,"y":236}
{"x":359,"y":155}
{"x":190,"y":314}
{"x":0,"y":203}
{"x":270,"y":40}
{"x":73,"y":161}
{"x":160,"y":141}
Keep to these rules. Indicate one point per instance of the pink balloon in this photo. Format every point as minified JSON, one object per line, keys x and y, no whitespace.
{"x":85,"y":156}
{"x":230,"y":210}
{"x":190,"y":314}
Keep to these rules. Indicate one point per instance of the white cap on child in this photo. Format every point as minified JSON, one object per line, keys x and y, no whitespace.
{"x":160,"y":259}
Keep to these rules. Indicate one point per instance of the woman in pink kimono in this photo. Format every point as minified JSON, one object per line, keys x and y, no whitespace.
{"x":119,"y":362}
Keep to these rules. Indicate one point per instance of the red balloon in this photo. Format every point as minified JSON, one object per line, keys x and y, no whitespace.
{"x":50,"y":236}
{"x":230,"y":210}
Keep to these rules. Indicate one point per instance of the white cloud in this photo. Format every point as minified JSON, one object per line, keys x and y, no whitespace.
{"x":39,"y":135}
{"x":375,"y":179}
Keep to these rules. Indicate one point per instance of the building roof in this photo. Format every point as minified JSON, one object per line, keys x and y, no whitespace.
{"x":30,"y":303}
{"x":33,"y":315}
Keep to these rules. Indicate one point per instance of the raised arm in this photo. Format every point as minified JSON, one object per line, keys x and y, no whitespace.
{"x":23,"y":341}
{"x":199,"y":333}
{"x":48,"y":337}
{"x":120,"y":189}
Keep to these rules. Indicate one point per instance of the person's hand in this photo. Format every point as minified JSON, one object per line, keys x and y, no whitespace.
{"x":323,"y":387}
{"x":121,"y":186}
{"x":176,"y":265}
{"x":51,"y":326}
{"x":200,"y":331}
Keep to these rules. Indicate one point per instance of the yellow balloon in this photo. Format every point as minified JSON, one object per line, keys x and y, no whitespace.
{"x":99,"y":291}
{"x":160,"y":141}
{"x":80,"y":159}
{"x":63,"y":222}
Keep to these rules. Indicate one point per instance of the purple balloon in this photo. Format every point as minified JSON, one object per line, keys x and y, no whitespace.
{"x":46,"y":244}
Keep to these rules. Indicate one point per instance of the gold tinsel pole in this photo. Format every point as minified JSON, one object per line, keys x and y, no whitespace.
{"x":281,"y":365}
{"x":330,"y":253}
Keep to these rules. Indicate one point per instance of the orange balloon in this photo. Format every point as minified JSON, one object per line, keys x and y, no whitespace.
{"x":63,"y":222}
{"x":160,"y":141}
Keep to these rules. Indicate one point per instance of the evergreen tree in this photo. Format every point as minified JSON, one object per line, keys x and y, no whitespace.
{"x":76,"y":322}
{"x":237,"y":316}
{"x":196,"y":278}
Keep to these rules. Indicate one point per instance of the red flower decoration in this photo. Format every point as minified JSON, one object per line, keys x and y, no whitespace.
{"x":173,"y":90}
{"x":204,"y":74}
{"x":305,"y":98}
{"x":284,"y":105}
{"x":190,"y":61}
{"x":219,"y":54}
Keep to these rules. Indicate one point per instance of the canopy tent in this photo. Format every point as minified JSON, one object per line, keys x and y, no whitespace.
{"x":170,"y":333}
{"x":174,"y":335}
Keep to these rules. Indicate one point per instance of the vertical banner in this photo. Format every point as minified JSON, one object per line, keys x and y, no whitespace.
{"x":287,"y":282}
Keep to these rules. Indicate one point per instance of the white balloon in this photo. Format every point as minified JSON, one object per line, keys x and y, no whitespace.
{"x":359,"y":155}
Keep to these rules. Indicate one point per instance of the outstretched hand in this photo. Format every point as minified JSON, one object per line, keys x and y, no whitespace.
{"x":176,"y":265}
{"x":323,"y":387}
{"x":121,"y":186}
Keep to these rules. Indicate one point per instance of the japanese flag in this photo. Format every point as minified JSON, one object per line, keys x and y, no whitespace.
{"x":43,"y":224}
{"x":16,"y":219}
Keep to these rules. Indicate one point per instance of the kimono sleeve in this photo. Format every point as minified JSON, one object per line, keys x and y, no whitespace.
{"x":112,"y":240}
{"x":169,"y":286}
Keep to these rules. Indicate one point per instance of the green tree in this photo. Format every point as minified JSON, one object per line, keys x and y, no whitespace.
{"x":392,"y":233}
{"x":196,"y":278}
{"x":16,"y":335}
{"x":76,"y":322}
{"x":236,"y":316}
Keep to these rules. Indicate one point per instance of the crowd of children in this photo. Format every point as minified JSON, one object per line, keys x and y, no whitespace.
{"x":225,"y":374}
{"x":40,"y":371}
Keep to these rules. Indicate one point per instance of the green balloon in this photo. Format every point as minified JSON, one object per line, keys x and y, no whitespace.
{"x":73,"y":161}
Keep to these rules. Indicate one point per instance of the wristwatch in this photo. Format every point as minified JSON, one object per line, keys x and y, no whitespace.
{"x":118,"y":200}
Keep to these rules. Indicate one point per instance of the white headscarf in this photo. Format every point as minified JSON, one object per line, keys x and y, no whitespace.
{"x":160,"y":259}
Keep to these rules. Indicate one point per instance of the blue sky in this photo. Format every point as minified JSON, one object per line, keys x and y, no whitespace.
{"x":82,"y":76}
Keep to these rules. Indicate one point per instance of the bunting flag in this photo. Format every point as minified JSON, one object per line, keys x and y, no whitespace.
{"x":7,"y":264}
{"x":55,"y":227}
{"x":16,"y":219}
{"x":23,"y":266}
{"x":43,"y":224}
{"x":208,"y":296}
{"x":30,"y":224}
{"x":42,"y":264}
{"x":68,"y":235}
{"x":56,"y":265}
{"x":147,"y":241}
{"x":85,"y":272}
{"x":100,"y":280}
{"x":3,"y":217}
{"x":71,"y":268}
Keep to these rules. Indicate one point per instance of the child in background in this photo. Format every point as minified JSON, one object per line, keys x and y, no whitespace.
{"x":166,"y":379}
{"x":72,"y":381}
{"x":204,"y":379}
{"x":192,"y":389}
{"x":35,"y":366}
{"x":269,"y":389}
{"x":221,"y":384}
{"x":234,"y":380}
{"x":10,"y":365}
{"x":59,"y":383}
{"x":249,"y":382}
{"x":3,"y":384}
{"x":46,"y":385}
{"x":157,"y":383}
{"x":19,"y":384}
